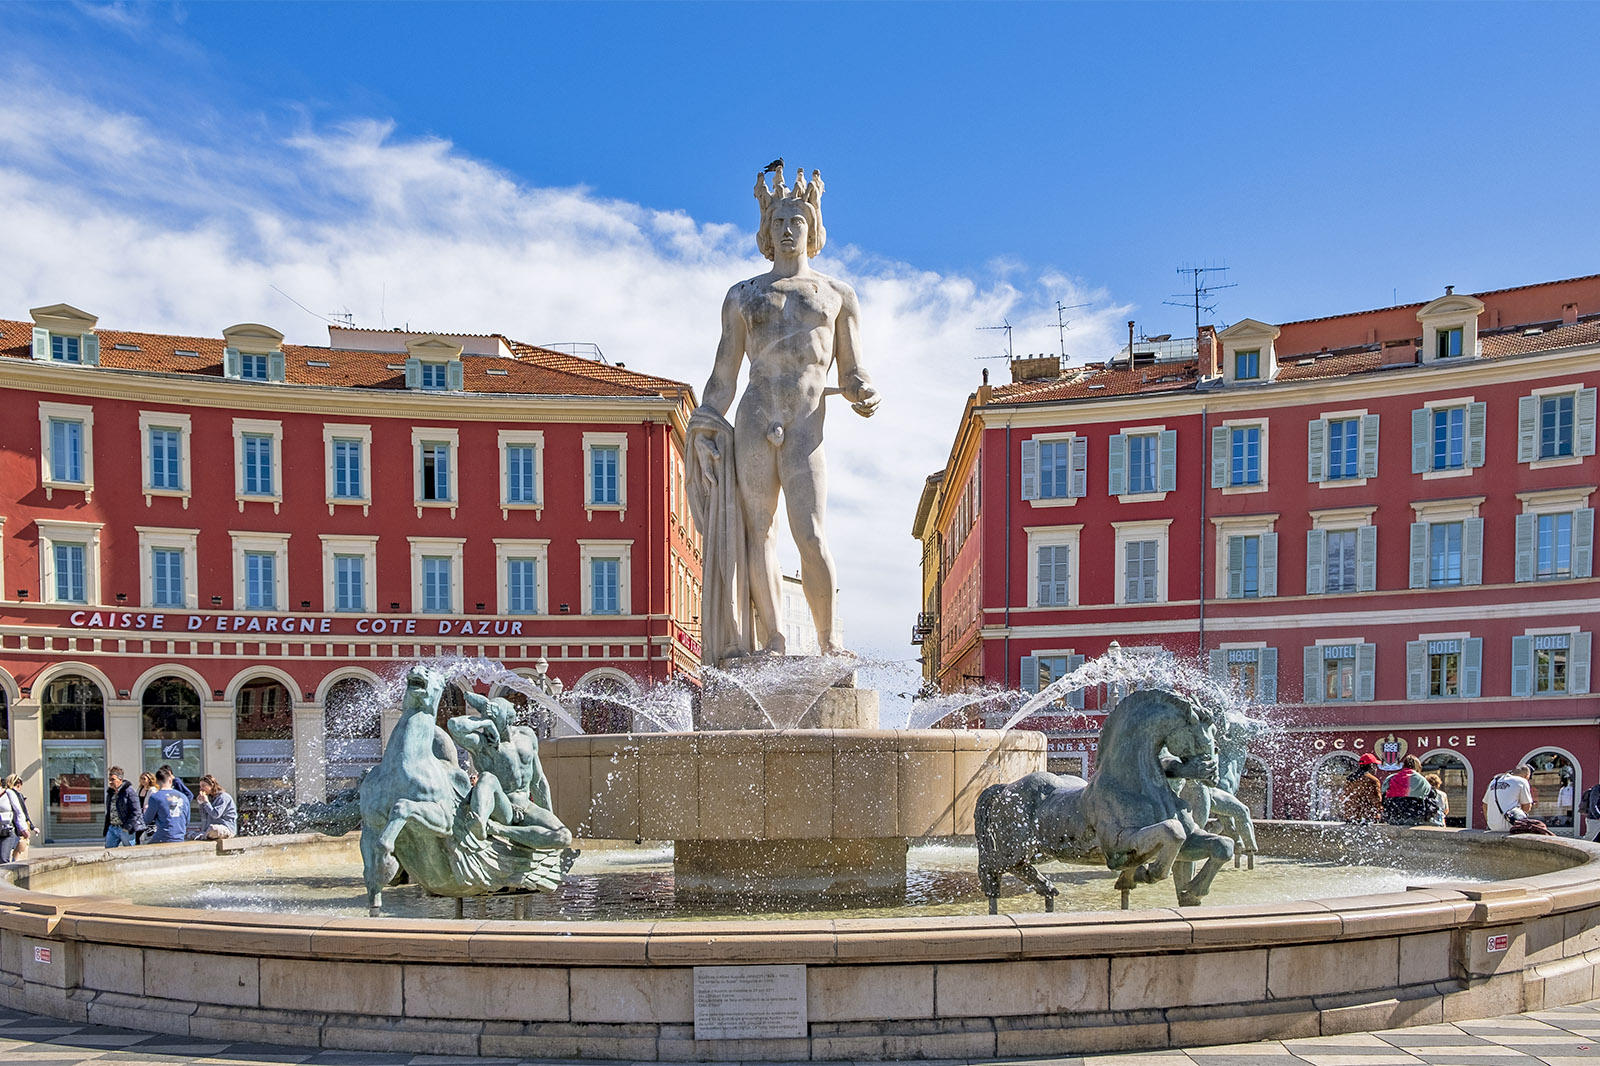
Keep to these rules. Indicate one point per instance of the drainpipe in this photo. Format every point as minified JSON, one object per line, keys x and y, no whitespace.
{"x":1006,"y":675}
{"x":1205,"y":483}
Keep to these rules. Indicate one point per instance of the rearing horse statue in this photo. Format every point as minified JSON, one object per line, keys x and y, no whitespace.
{"x":1127,"y":810}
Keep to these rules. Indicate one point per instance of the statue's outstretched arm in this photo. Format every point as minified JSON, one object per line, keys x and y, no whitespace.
{"x":854,"y":381}
{"x":718,"y":394}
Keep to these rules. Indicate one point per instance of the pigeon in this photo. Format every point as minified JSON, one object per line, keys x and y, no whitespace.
{"x":774,"y":167}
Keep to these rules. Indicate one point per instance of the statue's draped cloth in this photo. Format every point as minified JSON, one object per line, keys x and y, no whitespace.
{"x":726,"y":614}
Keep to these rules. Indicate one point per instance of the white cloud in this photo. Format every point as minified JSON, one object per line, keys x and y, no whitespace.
{"x":171,"y":229}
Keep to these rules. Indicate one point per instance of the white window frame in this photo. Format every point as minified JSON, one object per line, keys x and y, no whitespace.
{"x":453,"y":547}
{"x":66,"y":412}
{"x":1327,"y":418}
{"x":1250,"y":335}
{"x":1054,"y":536}
{"x":1152,"y":529}
{"x":618,"y":441}
{"x":85,"y":533}
{"x":253,"y":542}
{"x":1339,"y":520}
{"x":508,"y":548}
{"x":622,"y":550}
{"x":1070,"y":440}
{"x":1577,"y":457}
{"x":1231,"y":424}
{"x":451,"y":438}
{"x":181,"y":422}
{"x":334,"y":545}
{"x":1434,"y":512}
{"x":1126,"y":435}
{"x":1251,"y":525}
{"x":1533,"y":666}
{"x":1540,"y":502}
{"x":523,"y":438}
{"x":258,"y":427}
{"x":184,"y":540}
{"x":1450,"y":311}
{"x":332,"y":431}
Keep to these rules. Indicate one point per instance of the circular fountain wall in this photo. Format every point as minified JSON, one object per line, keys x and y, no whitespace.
{"x":914,"y":987}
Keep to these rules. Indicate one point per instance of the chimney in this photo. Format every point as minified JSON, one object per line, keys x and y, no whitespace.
{"x":1569,"y":314}
{"x":1210,"y":352}
{"x":1035,"y":368}
{"x":1399,"y":353}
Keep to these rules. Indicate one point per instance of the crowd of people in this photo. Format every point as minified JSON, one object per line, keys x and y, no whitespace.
{"x":1410,"y":797}
{"x":161,"y":809}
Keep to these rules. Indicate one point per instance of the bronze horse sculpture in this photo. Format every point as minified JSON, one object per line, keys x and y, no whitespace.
{"x":1127,"y":810}
{"x":418,"y":815}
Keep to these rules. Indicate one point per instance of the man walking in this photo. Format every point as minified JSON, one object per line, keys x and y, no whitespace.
{"x":167,"y":811}
{"x":124,"y":820}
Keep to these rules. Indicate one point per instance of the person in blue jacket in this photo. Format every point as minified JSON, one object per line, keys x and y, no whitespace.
{"x":167,"y":811}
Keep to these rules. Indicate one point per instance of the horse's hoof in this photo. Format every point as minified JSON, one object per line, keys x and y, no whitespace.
{"x":374,"y":911}
{"x":1188,"y":899}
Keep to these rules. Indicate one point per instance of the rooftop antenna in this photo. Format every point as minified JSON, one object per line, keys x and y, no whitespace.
{"x":1200,"y":296}
{"x":1062,"y":323}
{"x":1007,"y":330}
{"x":346,"y":318}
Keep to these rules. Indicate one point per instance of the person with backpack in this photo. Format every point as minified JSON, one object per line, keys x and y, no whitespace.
{"x":13,"y":822}
{"x":1506,"y":802}
{"x":1408,"y":798}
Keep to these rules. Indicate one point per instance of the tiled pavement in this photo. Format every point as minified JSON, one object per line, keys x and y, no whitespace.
{"x":1568,"y":1036}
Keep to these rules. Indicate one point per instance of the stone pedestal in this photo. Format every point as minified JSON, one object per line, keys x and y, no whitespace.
{"x":873,"y":866}
{"x":788,"y":692}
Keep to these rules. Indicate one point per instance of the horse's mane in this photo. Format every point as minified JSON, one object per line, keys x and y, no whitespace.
{"x":1117,"y":739}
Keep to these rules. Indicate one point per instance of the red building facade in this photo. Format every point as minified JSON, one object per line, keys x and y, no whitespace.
{"x":1380,"y":522}
{"x":217,"y":550}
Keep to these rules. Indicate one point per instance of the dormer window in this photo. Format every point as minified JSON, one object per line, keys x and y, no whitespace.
{"x":64,"y":334}
{"x":1247,"y":365}
{"x":1449,"y":343}
{"x":433,"y":376}
{"x":252,"y":366}
{"x":253,"y":352}
{"x":434,"y":364}
{"x":1248,"y":356}
{"x":1450,"y":327}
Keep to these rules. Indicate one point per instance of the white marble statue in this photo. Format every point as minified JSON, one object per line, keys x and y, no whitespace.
{"x":794,"y":324}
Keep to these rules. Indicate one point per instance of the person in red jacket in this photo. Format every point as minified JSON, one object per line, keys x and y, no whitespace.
{"x":1362,"y":798}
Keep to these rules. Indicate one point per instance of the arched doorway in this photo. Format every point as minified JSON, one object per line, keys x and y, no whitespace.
{"x":263,"y":759}
{"x":353,"y":722}
{"x":73,"y":716}
{"x":606,"y":704}
{"x":1456,"y":777}
{"x":1555,"y":790}
{"x":1255,"y":788}
{"x":172,"y":728}
{"x":1327,"y":785}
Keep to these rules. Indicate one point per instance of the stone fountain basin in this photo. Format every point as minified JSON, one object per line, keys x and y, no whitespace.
{"x":1009,"y":985}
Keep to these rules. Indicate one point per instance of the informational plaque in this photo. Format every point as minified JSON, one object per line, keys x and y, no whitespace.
{"x":749,"y":1002}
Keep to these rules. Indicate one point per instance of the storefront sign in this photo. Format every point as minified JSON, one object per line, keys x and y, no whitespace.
{"x":172,"y":750}
{"x":1423,"y":741}
{"x":291,"y":625}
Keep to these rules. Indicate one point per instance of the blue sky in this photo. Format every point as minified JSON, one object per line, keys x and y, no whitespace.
{"x":583,"y":172}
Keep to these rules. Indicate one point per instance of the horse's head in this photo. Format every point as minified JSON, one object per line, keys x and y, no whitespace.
{"x":424,"y":688}
{"x":1189,"y":735}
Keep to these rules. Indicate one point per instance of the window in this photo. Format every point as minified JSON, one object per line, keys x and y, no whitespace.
{"x":164,"y":437}
{"x":1054,"y":574}
{"x":258,"y":480}
{"x":1340,"y":672}
{"x":1447,"y":437}
{"x":1555,"y":547}
{"x":1342,"y":447}
{"x":1340,"y":561}
{"x":258,"y":445}
{"x":520,"y":467}
{"x":1449,"y":343}
{"x":604,"y":566}
{"x":65,"y":335}
{"x":347,"y":465}
{"x":1449,"y":327}
{"x":603,"y":463}
{"x":521,"y":479}
{"x":1446,"y":666}
{"x":1248,"y":355}
{"x":347,"y":480}
{"x":1245,"y":456}
{"x":435,"y":459}
{"x":1252,"y":566}
{"x":433,"y":376}
{"x":1055,"y":468}
{"x":1342,"y":551}
{"x":1140,"y":579}
{"x":167,"y":567}
{"x":1556,"y":425}
{"x":65,"y":349}
{"x":260,"y":581}
{"x":252,"y":366}
{"x":1040,"y":671}
{"x":1247,"y":365}
{"x":1444,"y":553}
{"x":166,"y":469}
{"x":1446,"y":543}
{"x":1252,"y":672}
{"x":1141,"y":561}
{"x":261,"y":571}
{"x":166,"y":578}
{"x":349,"y":583}
{"x":69,"y":561}
{"x":1554,"y":543}
{"x":436,"y":584}
{"x":1551,"y":664}
{"x":66,"y":450}
{"x":1055,"y":462}
{"x":1143,"y":462}
{"x":605,"y":578}
{"x":66,"y":459}
{"x":519,"y":567}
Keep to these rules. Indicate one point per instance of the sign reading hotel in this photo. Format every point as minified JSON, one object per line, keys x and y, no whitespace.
{"x":292,"y":625}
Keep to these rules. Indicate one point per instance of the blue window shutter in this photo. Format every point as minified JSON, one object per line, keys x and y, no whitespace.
{"x":1522,"y":667}
{"x":277,"y":369}
{"x":1367,"y":559}
{"x":1316,"y":561}
{"x":1043,"y":560}
{"x":413,"y":373}
{"x":1219,"y":457}
{"x":1585,"y":416}
{"x":1316,"y":450}
{"x":1578,"y":664}
{"x":1421,"y":450}
{"x":41,"y":343}
{"x":1075,"y":698}
{"x":1030,"y":673}
{"x":1219,"y":665}
{"x":1527,"y":531}
{"x":1168,"y":470}
{"x":1416,"y":669}
{"x":1311,"y":674}
{"x":1472,"y":668}
{"x":1477,"y":418}
{"x":1061,"y":580}
{"x":454,"y":375}
{"x":1235,"y":567}
{"x":1527,"y":429}
{"x":230,"y":363}
{"x":1078,"y":475}
{"x":1583,"y":542}
{"x":1472,"y":551}
{"x":1030,"y":470}
{"x":1267,"y":580}
{"x":1117,"y":462}
{"x":89,"y":350}
{"x":1366,"y":671}
{"x":1419,"y":555}
{"x":1267,"y":675}
{"x":1369,"y":445}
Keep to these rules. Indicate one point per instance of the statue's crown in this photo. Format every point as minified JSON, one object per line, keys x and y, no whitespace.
{"x":809,"y":191}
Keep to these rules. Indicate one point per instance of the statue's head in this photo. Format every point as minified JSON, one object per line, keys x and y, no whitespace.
{"x":424,"y":686}
{"x":502,"y":714}
{"x":784,"y":208}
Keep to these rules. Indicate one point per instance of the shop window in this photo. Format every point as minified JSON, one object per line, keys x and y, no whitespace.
{"x":1327,"y":785}
{"x":171,"y":711}
{"x":1554,"y":786}
{"x":353,"y":723}
{"x":263,"y":752}
{"x":1455,"y":776}
{"x":72,"y":714}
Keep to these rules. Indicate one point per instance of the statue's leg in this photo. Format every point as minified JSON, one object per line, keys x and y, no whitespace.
{"x":487,"y":800}
{"x":805,"y":490}
{"x":1243,"y":826}
{"x":378,"y":867}
{"x":432,"y":817}
{"x":759,"y":486}
{"x":1149,"y":851}
{"x":1215,"y":850}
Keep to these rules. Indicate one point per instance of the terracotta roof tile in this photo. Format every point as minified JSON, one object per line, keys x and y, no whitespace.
{"x":534,"y":371}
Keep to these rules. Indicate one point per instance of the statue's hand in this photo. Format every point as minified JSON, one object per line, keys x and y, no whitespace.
{"x":865,"y":400}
